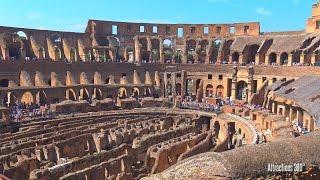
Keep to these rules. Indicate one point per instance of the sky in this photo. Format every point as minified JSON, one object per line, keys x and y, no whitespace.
{"x":72,"y":15}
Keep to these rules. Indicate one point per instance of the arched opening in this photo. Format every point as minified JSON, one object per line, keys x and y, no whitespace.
{"x":215,"y":51}
{"x":191,"y":51}
{"x":122,"y":93}
{"x":73,"y":54}
{"x":42,"y":53}
{"x":84,"y":94}
{"x":14,"y":50}
{"x":242,"y":91}
{"x":235,"y":57}
{"x":216,"y":127}
{"x":57,"y":53}
{"x":55,"y":38}
{"x":155,"y":54}
{"x":4,"y":83}
{"x":103,"y":41}
{"x":284,"y":58}
{"x":178,"y":89}
{"x":197,"y":84}
{"x":27,"y":98}
{"x":251,"y":54}
{"x":135,"y":93}
{"x":272,"y":58}
{"x":209,"y":90}
{"x":167,"y":51}
{"x":22,"y":35}
{"x":189,"y":87}
{"x":202,"y":52}
{"x":147,"y":92}
{"x":178,"y":57}
{"x":107,"y":80}
{"x":97,"y":93}
{"x":41,"y":98}
{"x":219,"y":91}
{"x":145,"y":54}
{"x":71,"y":95}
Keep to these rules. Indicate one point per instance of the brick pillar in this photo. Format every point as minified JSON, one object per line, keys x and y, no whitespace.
{"x":234,"y":83}
{"x":197,"y":50}
{"x":267,"y":60}
{"x":184,"y":53}
{"x":137,"y":50}
{"x":278,"y":60}
{"x":183,"y":84}
{"x":250,"y":84}
{"x":149,"y":47}
{"x":174,"y":83}
{"x":290,"y":57}
{"x":165,"y":79}
{"x":240,"y":58}
{"x":257,"y":59}
{"x":302,"y":58}
{"x":161,"y":51}
{"x":313,"y":58}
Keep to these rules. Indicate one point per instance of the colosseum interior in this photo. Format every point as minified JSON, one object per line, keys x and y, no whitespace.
{"x":160,"y":101}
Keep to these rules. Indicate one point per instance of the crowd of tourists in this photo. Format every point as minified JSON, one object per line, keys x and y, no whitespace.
{"x":21,"y":111}
{"x":190,"y":103}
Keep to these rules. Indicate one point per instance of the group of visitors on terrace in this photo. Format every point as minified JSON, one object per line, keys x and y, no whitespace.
{"x":20,"y":111}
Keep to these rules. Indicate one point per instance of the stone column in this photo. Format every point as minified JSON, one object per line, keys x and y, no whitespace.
{"x":302,"y":57}
{"x":257,"y":59}
{"x":313,"y":58}
{"x":184,"y":53}
{"x":234,"y":83}
{"x":149,"y":47}
{"x":174,"y":82}
{"x":266,"y":60}
{"x":250,"y":84}
{"x":165,"y":79}
{"x":240,"y":58}
{"x":22,"y":54}
{"x":290,"y":57}
{"x":278,"y":60}
{"x":137,"y":52}
{"x":183,"y":84}
{"x":161,"y":51}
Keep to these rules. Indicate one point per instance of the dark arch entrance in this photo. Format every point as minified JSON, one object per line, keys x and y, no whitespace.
{"x":4,"y":83}
{"x":235,"y":57}
{"x":242,"y":92}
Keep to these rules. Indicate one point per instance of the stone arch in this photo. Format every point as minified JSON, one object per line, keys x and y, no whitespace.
{"x":135,"y":92}
{"x":198,"y":84}
{"x":27,"y":98}
{"x":272,"y":58}
{"x":235,"y":57}
{"x":147,"y":92}
{"x":242,"y":91}
{"x":189,"y":87}
{"x":191,"y":51}
{"x":22,"y":35}
{"x":251,"y":53}
{"x":167,"y":50}
{"x":155,"y":50}
{"x":122,"y":93}
{"x":209,"y":90}
{"x":178,"y":89}
{"x":57,"y":53}
{"x":41,"y":98}
{"x":97,"y":93}
{"x":84,"y":94}
{"x":73,"y":54}
{"x":71,"y":95}
{"x":55,"y":38}
{"x":144,"y":53}
{"x":216,"y":127}
{"x":219,"y":91}
{"x":42,"y":53}
{"x":284,"y":58}
{"x":202,"y":51}
{"x":14,"y":45}
{"x":4,"y":83}
{"x":215,"y":51}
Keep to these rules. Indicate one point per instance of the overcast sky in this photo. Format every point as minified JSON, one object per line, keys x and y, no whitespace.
{"x":72,"y":15}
